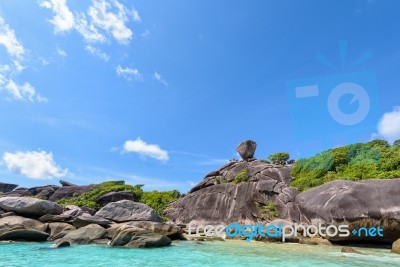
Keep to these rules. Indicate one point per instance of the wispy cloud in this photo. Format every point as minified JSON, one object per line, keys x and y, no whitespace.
{"x":33,"y":164}
{"x":97,"y":52}
{"x":25,"y":92}
{"x":157,"y":76}
{"x":63,"y":19}
{"x":61,"y":52}
{"x":140,"y":147}
{"x":128,"y":73}
{"x":389,"y":126}
{"x":16,"y":53}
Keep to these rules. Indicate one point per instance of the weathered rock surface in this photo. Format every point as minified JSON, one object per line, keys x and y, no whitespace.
{"x":29,"y":206}
{"x":167,"y":229}
{"x":131,"y":237}
{"x":17,"y":222}
{"x":216,"y":199}
{"x":246,"y":149}
{"x":69,"y":191}
{"x":24,"y":235}
{"x":126,"y":210}
{"x":114,"y":197}
{"x":4,"y":187}
{"x":396,"y":246}
{"x":59,"y":230}
{"x":369,"y":203}
{"x":54,"y":218}
{"x":85,"y":235}
{"x":86,"y":219}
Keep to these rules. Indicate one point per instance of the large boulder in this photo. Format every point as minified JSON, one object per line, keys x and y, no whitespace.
{"x":126,"y":210}
{"x":24,"y":235}
{"x":17,"y":222}
{"x":114,"y":197}
{"x":29,"y":206}
{"x":4,"y":187}
{"x":369,"y":203}
{"x":246,"y":149}
{"x":86,"y":219}
{"x":59,"y":230}
{"x":69,"y":192}
{"x":131,"y":237}
{"x":396,"y":246}
{"x":167,"y":229}
{"x":86,"y":235}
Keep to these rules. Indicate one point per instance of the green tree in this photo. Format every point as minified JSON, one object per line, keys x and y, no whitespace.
{"x":396,"y":143}
{"x":279,"y":158}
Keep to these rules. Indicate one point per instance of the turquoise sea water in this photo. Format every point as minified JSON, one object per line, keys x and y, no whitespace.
{"x":181,"y":253}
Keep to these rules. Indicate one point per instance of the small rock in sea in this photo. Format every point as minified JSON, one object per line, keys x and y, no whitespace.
{"x":350,"y":250}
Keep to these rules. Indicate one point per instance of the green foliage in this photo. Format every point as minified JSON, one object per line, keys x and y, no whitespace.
{"x":159,"y":200}
{"x":375,"y":159}
{"x":89,"y":199}
{"x":269,"y":211}
{"x":218,"y":180}
{"x":396,"y":143}
{"x":242,"y":176}
{"x":279,"y":158}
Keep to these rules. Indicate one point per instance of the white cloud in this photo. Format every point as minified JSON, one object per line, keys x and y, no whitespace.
{"x":61,"y":52}
{"x":24,"y":92}
{"x":389,"y":126}
{"x":97,"y":52}
{"x":16,"y":53}
{"x":33,"y":164}
{"x":157,"y":76}
{"x":147,"y":150}
{"x":112,"y":22}
{"x":128,"y":73}
{"x":88,"y":31}
{"x":9,"y":41}
{"x":63,"y":19}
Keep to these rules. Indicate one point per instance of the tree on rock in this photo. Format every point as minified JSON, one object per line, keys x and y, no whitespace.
{"x":279,"y":158}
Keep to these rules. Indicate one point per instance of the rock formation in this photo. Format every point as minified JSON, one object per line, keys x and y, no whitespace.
{"x":5,"y":188}
{"x":238,"y":192}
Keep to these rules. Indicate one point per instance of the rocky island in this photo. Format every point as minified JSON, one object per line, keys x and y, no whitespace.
{"x":246,"y":191}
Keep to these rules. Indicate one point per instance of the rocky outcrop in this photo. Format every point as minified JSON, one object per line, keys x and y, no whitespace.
{"x":65,"y":183}
{"x":69,"y":192}
{"x":17,"y":222}
{"x":246,"y":149}
{"x":238,"y":192}
{"x":4,"y":187}
{"x":126,"y":210}
{"x":58,"y":230}
{"x":29,"y":206}
{"x":86,"y":219}
{"x":24,"y":235}
{"x":85,"y":235}
{"x":131,"y":237}
{"x":114,"y":197}
{"x":369,"y":203}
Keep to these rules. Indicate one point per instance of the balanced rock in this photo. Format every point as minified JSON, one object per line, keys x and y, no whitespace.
{"x":126,"y":210}
{"x":29,"y":206}
{"x":246,"y":149}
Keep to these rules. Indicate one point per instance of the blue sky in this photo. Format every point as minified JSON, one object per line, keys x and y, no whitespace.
{"x":161,"y":92}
